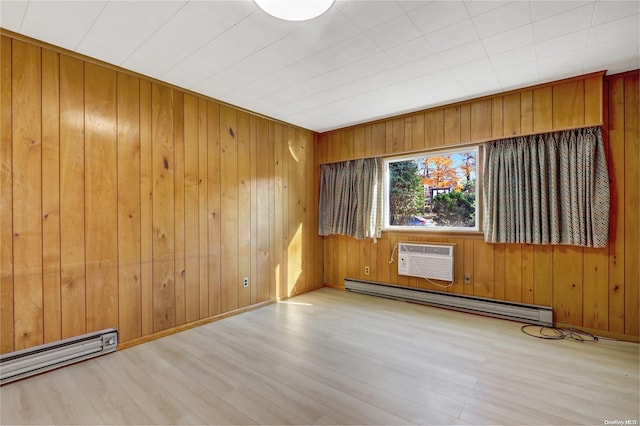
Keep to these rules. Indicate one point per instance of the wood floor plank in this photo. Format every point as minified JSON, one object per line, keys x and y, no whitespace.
{"x":335,"y":357}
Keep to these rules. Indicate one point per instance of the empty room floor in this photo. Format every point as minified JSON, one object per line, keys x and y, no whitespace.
{"x":334,"y":357}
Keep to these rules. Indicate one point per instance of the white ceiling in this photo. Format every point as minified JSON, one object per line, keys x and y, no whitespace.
{"x":360,"y":61}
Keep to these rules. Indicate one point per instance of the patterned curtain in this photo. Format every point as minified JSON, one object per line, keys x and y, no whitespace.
{"x":351,"y":198}
{"x":550,"y":188}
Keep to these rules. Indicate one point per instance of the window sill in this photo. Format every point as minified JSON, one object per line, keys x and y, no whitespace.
{"x":435,"y":233}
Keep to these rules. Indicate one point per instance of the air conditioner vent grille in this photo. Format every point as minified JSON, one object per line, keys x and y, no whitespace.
{"x":426,"y":261}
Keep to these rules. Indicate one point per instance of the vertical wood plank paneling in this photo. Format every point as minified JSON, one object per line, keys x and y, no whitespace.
{"x":632,"y":204}
{"x":468,"y":262}
{"x":318,"y":255}
{"x":526,"y":112}
{"x":128,"y":151}
{"x":128,"y":173}
{"x":178,"y":205}
{"x":204,"y":212}
{"x":364,"y":258}
{"x":596,"y":288}
{"x":263,"y":211}
{"x":434,"y":128}
{"x":287,"y":254}
{"x":417,"y":131}
{"x":72,"y":222}
{"x":528,"y":272}
{"x":513,"y":272}
{"x":214,"y":205}
{"x":543,"y":109}
{"x":543,"y":278}
{"x":321,"y":145}
{"x":52,"y":315}
{"x":245,"y":209}
{"x":452,"y":125}
{"x":279,"y":264}
{"x":289,"y":163}
{"x":342,"y":259}
{"x":305,"y":192}
{"x":27,"y":203}
{"x":617,"y":234}
{"x":6,"y":207}
{"x":567,"y":284}
{"x":378,"y":134}
{"x":483,"y":264}
{"x":481,"y":120}
{"x":458,"y":265}
{"x":333,"y":146}
{"x":368,"y":146}
{"x":511,"y":104}
{"x":101,"y":185}
{"x":163,"y":169}
{"x":383,"y":255}
{"x":568,"y":104}
{"x":497,"y":126}
{"x":352,"y":251}
{"x":191,"y":210}
{"x":397,"y":138}
{"x":498,"y":271}
{"x":274,"y":267}
{"x":347,"y":147}
{"x":328,"y":261}
{"x":253,"y":196}
{"x":465,"y":123}
{"x":146,"y":210}
{"x":408,"y":133}
{"x":359,"y":149}
{"x":593,"y":100}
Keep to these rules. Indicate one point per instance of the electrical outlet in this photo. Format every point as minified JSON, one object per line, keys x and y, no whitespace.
{"x":467,"y":278}
{"x":367,"y":270}
{"x":245,"y":282}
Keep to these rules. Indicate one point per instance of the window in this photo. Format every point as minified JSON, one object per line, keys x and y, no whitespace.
{"x":436,"y":191}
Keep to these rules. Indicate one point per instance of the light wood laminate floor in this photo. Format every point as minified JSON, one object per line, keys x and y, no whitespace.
{"x":333,"y":357}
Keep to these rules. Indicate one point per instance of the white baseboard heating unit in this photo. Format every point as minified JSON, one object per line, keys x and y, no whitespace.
{"x":28,"y":362}
{"x":426,"y":261}
{"x":531,"y":314}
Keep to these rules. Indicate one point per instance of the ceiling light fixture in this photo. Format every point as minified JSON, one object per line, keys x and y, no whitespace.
{"x":295,"y":10}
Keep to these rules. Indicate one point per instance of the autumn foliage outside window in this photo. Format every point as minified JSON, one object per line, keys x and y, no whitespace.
{"x":433,"y":191}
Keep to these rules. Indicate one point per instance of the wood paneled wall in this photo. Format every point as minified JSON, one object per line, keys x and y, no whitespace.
{"x":592,"y":288}
{"x":128,"y":203}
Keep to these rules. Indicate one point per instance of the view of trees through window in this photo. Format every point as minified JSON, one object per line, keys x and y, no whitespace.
{"x":433,"y":191}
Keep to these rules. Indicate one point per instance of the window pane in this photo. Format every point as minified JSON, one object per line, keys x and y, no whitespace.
{"x":434,"y":191}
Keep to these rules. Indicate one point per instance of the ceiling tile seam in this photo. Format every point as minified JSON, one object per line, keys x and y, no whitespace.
{"x":245,"y":57}
{"x":337,"y":101}
{"x":421,"y":33}
{"x":483,"y":46}
{"x":75,"y":48}
{"x":24,"y":15}
{"x":319,"y":75}
{"x":300,"y":61}
{"x":586,"y":50}
{"x":535,"y":43}
{"x":368,"y":29}
{"x":153,"y":33}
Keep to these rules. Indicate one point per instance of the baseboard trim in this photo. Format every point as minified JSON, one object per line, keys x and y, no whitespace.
{"x":183,"y":327}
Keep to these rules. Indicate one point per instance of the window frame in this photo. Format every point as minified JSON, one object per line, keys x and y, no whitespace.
{"x":386,"y":226}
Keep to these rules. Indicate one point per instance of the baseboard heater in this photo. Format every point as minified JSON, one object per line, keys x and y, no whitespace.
{"x":31,"y":361}
{"x":531,"y":314}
